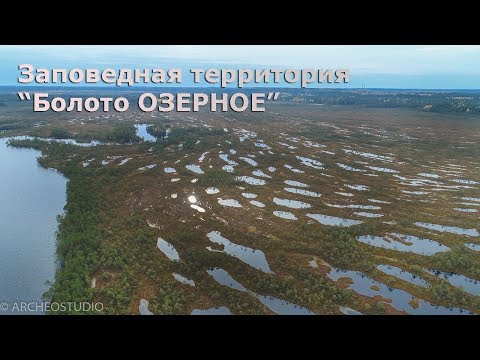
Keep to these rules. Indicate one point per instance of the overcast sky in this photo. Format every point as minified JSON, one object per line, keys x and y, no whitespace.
{"x":455,"y":66}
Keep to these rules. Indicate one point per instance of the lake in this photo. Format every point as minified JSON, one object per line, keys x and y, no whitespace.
{"x":31,"y":197}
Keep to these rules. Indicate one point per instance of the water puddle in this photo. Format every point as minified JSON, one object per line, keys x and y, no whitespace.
{"x":428,"y":175}
{"x":250,"y":180}
{"x":202,"y":157}
{"x":350,"y":168}
{"x":148,"y":167}
{"x":195,"y":168}
{"x":249,"y":195}
{"x":272,"y":169}
{"x":249,"y":161}
{"x":228,"y":168}
{"x":400,"y":300}
{"x":229,"y":202}
{"x":333,"y":220}
{"x":283,"y":307}
{"x":124,"y":161}
{"x":295,"y":183}
{"x":415,"y":192}
{"x":253,"y":257}
{"x":169,"y":170}
{"x":225,"y":158}
{"x":357,"y":187}
{"x":212,"y":190}
{"x":143,"y":307}
{"x":221,"y":310}
{"x":310,"y":162}
{"x":379,"y":201}
{"x":382,"y":169}
{"x":473,"y":246}
{"x":471,"y":286}
{"x":291,"y":168}
{"x":407,"y":243}
{"x":403,"y":275}
{"x":260,"y":173}
{"x":183,"y":279}
{"x":168,"y":250}
{"x":293,"y":204}
{"x":344,"y":193}
{"x":449,"y":229}
{"x":302,"y":192}
{"x":367,"y":214}
{"x":466,"y":210}
{"x":257,"y":203}
{"x":354,"y":206}
{"x":348,"y":311}
{"x":278,"y":306}
{"x":262,"y":145}
{"x":285,"y":215}
{"x":468,"y":182}
{"x":224,"y":278}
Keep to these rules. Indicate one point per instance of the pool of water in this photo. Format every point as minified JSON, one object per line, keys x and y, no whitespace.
{"x":141,"y":131}
{"x":169,"y":170}
{"x":285,"y":215}
{"x":183,"y":279}
{"x":350,"y":168}
{"x":472,"y":246}
{"x":348,"y":311}
{"x":403,"y":275}
{"x":195,"y":168}
{"x":295,"y":170}
{"x":260,"y":173}
{"x":367,"y":214}
{"x":333,"y":220}
{"x":449,"y":229}
{"x":229,"y":202}
{"x":250,"y":180}
{"x":310,"y":162}
{"x":295,"y":183}
{"x":400,"y":299}
{"x":467,"y":284}
{"x":221,"y":310}
{"x":406,"y":243}
{"x":249,"y":161}
{"x":143,"y":307}
{"x":382,"y":169}
{"x":302,"y":192}
{"x":357,"y":187}
{"x":224,"y":278}
{"x":282,"y":307}
{"x":292,"y":204}
{"x":168,"y":250}
{"x":212,"y":190}
{"x":257,"y":203}
{"x":253,"y":257}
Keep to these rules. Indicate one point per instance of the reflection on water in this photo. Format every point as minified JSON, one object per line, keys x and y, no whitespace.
{"x":31,"y":197}
{"x":168,"y":249}
{"x":143,"y":133}
{"x":222,"y":310}
{"x":253,"y":257}
{"x":450,"y":229}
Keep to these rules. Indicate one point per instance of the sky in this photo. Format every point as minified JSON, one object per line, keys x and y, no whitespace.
{"x":372,"y":66}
